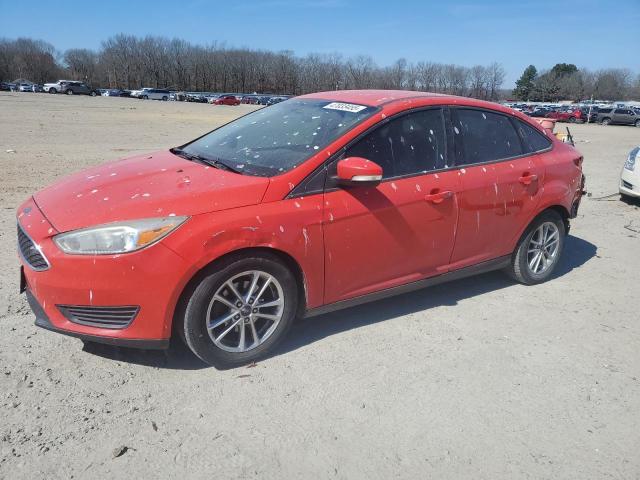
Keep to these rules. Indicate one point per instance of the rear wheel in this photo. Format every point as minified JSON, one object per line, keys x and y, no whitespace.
{"x":606,"y":121}
{"x":93,"y":94}
{"x":538,"y":251}
{"x":69,"y":92}
{"x":53,"y":90}
{"x":144,"y":97}
{"x":637,"y":124}
{"x":573,"y":119}
{"x":240,"y":312}
{"x":164,"y":99}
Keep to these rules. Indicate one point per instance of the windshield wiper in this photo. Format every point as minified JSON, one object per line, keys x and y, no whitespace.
{"x":212,"y":162}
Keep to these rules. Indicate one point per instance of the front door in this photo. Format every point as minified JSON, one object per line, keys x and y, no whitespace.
{"x":401,"y":230}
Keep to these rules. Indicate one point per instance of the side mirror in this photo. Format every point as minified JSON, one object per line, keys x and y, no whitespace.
{"x":358,"y":171}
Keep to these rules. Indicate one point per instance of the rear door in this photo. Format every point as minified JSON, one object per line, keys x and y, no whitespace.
{"x":403,"y":229}
{"x":500,"y":184}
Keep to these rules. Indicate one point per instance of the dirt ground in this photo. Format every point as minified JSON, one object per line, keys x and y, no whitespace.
{"x":481,"y":378}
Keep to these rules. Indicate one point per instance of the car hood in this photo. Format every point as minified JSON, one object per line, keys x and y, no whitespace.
{"x":145,"y":186}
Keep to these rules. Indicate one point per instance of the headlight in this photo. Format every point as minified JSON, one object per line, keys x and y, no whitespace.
{"x":120,"y":237}
{"x":630,"y":164}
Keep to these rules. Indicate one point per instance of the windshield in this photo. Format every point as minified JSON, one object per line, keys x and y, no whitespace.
{"x":276,"y":139}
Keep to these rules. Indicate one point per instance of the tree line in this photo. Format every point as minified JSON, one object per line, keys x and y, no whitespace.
{"x":126,"y":61}
{"x":565,"y":81}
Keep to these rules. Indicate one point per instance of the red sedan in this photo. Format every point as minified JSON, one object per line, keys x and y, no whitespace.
{"x":571,"y":116}
{"x":317,"y":203}
{"x":227,"y":100}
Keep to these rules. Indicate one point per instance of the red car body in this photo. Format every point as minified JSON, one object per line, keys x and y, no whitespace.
{"x":227,"y":100}
{"x":342,"y":243}
{"x":571,"y":116}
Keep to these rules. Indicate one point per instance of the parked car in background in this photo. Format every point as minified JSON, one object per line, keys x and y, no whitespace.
{"x":354,"y":197}
{"x":25,"y":87}
{"x":249,"y":100}
{"x":274,"y":100}
{"x":70,"y":87}
{"x":630,"y":176}
{"x":572,"y":115}
{"x":7,"y":87}
{"x":227,"y":100}
{"x":618,"y":116}
{"x":538,"y":113}
{"x":154,"y":94}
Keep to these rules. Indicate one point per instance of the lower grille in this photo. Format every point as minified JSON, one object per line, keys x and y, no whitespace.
{"x":30,"y":252}
{"x":100,"y":317}
{"x":627,"y":185}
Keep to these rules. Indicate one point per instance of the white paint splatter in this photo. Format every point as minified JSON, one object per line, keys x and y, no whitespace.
{"x":281,"y":228}
{"x":394,"y":186}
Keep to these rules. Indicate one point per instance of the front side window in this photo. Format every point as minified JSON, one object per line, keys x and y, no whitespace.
{"x":407,"y":145}
{"x":483,"y":136}
{"x":276,"y":139}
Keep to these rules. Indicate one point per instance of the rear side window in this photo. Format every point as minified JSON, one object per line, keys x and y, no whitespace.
{"x":533,"y":140}
{"x":604,"y":110}
{"x":483,"y":136}
{"x":406,"y":145}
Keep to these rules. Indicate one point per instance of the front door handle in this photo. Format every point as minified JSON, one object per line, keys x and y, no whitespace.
{"x":438,"y":197}
{"x":526,"y":179}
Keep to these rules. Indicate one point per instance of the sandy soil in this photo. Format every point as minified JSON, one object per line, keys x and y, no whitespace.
{"x":481,"y":378}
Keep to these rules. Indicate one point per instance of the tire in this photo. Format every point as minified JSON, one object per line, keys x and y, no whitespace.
{"x":164,"y":99}
{"x":69,"y":92}
{"x":93,"y":94}
{"x":144,"y":97}
{"x":227,"y":324}
{"x":637,"y":124}
{"x":606,"y":121}
{"x":53,"y":91}
{"x":525,"y":266}
{"x":573,"y":119}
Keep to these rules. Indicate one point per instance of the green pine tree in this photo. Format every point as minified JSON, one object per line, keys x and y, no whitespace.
{"x":525,"y":83}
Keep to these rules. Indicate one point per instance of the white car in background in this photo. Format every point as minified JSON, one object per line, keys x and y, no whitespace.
{"x":152,"y":94}
{"x":630,"y":176}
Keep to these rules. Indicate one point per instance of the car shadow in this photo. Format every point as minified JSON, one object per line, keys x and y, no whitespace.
{"x":306,"y":331}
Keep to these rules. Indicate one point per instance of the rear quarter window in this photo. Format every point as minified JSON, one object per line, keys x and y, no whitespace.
{"x":532,"y":139}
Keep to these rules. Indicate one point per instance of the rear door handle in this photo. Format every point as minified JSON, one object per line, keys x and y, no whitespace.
{"x":527,"y":179}
{"x":438,"y":197}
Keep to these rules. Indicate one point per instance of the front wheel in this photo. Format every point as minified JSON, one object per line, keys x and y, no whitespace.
{"x":164,"y":99}
{"x":637,"y":124}
{"x":144,"y":97}
{"x":538,"y":251}
{"x":241,"y":311}
{"x":606,"y":121}
{"x":53,"y":91}
{"x":93,"y":94}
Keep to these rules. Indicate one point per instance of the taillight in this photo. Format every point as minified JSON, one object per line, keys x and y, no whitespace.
{"x":578,"y":161}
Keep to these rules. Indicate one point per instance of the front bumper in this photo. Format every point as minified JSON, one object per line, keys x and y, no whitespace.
{"x":43,"y":321}
{"x":629,"y":183}
{"x":150,"y":278}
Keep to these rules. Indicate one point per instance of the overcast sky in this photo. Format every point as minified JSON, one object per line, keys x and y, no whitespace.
{"x":590,"y":33}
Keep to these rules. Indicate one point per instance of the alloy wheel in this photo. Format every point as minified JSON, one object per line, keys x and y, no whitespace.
{"x":245,"y":311}
{"x":542,"y":251}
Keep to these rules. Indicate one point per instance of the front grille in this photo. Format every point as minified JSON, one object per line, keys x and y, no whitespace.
{"x":100,"y":317}
{"x":31,"y":254}
{"x":627,"y":185}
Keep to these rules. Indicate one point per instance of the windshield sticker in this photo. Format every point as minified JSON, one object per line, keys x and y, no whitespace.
{"x":345,"y":107}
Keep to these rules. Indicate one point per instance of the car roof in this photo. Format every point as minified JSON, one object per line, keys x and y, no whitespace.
{"x":373,"y":98}
{"x":377,"y":98}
